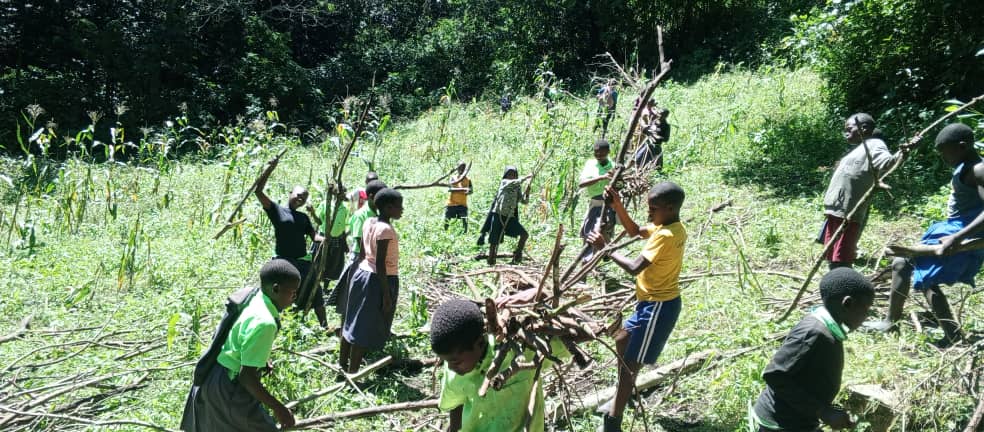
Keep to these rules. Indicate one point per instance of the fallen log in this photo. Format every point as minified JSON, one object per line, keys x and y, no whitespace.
{"x":921,"y":250}
{"x":975,"y":419}
{"x":645,"y":381}
{"x":365,"y":412}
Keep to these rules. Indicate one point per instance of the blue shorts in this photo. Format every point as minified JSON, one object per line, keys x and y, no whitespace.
{"x":649,"y":328}
{"x":932,"y":270}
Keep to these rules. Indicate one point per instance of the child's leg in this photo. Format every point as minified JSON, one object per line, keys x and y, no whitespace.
{"x":518,"y":253}
{"x":941,"y":308}
{"x":344,"y":352}
{"x":493,"y":250}
{"x":319,"y":306}
{"x":901,"y":282}
{"x":355,"y":358}
{"x":627,"y":370}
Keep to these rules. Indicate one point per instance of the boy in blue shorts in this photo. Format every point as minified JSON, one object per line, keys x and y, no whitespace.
{"x":955,"y":143}
{"x":231,"y":396}
{"x":657,"y":271}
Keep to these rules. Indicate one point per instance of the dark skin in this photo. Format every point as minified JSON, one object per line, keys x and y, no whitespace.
{"x":466,"y":360}
{"x":468,"y":190}
{"x":345,"y":348}
{"x":387,"y":214}
{"x":494,"y":248}
{"x":660,"y":213}
{"x":282,"y":295}
{"x":972,"y":173}
{"x":851,"y":312}
{"x":602,"y":156}
{"x":298,"y":196}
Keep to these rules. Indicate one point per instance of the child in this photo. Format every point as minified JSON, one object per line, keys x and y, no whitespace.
{"x":375,"y":285}
{"x":290,"y":226}
{"x":805,"y":374}
{"x":360,"y":197}
{"x":657,"y":270}
{"x":654,"y":131}
{"x":955,"y":143}
{"x":607,"y":101}
{"x":457,"y":208}
{"x":355,"y":224}
{"x":855,"y":174}
{"x":458,"y":338}
{"x":595,"y":175}
{"x":503,"y":219}
{"x":335,"y":249}
{"x":232,"y":396}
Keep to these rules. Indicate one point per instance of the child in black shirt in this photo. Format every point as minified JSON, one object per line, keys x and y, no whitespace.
{"x":804,"y":376}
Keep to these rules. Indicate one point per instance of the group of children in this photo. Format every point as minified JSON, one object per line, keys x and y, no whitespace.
{"x":801,"y":381}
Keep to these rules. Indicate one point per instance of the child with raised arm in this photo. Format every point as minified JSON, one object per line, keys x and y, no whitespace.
{"x":457,"y":208}
{"x":290,"y":226}
{"x":804,"y":376}
{"x":657,"y":271}
{"x":504,"y":216}
{"x":955,"y":143}
{"x":231,"y":397}
{"x":595,"y":175}
{"x":855,"y":174}
{"x":458,"y":337}
{"x":375,"y":285}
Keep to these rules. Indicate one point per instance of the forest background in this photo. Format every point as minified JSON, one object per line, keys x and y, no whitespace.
{"x":131,"y":128}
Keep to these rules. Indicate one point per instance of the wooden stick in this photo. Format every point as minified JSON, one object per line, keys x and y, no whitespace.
{"x":975,"y":420}
{"x":365,"y":412}
{"x":552,"y":262}
{"x":331,"y":389}
{"x":21,"y":329}
{"x":249,"y":191}
{"x":921,"y":250}
{"x":900,"y":158}
{"x":86,"y":421}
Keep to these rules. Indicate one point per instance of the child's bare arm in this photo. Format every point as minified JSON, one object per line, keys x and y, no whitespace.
{"x":631,"y":228}
{"x":382,"y":246}
{"x":455,"y":418}
{"x":631,"y":266}
{"x":261,"y":184}
{"x":249,"y":377}
{"x":592,"y":180}
{"x":974,"y":226}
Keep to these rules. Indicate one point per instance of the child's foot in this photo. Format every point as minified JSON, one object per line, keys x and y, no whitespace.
{"x":611,"y":424}
{"x":948,"y":341}
{"x":517,"y":257}
{"x":881,"y":326}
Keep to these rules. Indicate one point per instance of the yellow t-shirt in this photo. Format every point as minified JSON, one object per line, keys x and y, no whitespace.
{"x":459,"y":198}
{"x":664,"y":250}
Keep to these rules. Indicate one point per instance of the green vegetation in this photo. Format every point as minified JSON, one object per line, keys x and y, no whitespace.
{"x":122,"y":252}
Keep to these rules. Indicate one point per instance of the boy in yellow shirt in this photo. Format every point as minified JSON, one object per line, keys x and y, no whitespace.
{"x":657,"y":271}
{"x":457,"y":207}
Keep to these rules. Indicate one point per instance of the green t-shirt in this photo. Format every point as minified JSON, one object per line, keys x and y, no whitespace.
{"x":251,"y":337}
{"x":502,"y":410}
{"x":355,"y":226}
{"x":341,"y":220}
{"x":592,"y":169}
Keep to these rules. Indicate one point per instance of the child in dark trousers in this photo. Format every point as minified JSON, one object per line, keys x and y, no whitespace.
{"x":965,"y":217}
{"x":595,"y":175}
{"x":804,"y":376}
{"x":657,"y":271}
{"x":503,"y":218}
{"x":290,"y":229}
{"x":375,"y":285}
{"x":457,"y":207}
{"x":231,"y":396}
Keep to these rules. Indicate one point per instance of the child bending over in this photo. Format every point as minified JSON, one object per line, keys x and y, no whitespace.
{"x":503,"y":219}
{"x":805,"y":374}
{"x":231,"y":397}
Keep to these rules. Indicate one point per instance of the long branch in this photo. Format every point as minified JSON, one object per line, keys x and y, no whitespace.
{"x":899,"y":158}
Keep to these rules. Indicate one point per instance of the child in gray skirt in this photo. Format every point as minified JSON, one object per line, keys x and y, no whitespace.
{"x":375,"y":285}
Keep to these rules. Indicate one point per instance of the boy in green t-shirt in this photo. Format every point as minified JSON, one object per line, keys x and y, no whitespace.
{"x":232,"y":396}
{"x":458,"y":337}
{"x":657,"y":272}
{"x":595,"y":175}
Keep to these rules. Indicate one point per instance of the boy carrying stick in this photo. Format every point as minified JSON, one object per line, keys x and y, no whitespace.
{"x":657,"y":271}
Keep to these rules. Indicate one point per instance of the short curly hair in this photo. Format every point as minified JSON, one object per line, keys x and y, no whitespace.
{"x":842,"y":282}
{"x":955,"y":133}
{"x":278,"y":270}
{"x":455,"y":326}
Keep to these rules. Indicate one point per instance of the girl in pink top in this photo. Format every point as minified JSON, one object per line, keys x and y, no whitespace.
{"x":375,"y":285}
